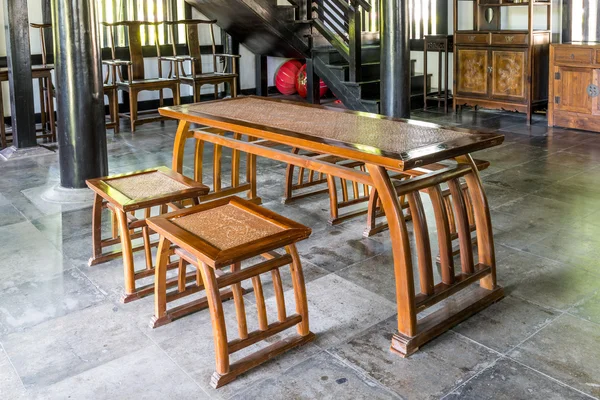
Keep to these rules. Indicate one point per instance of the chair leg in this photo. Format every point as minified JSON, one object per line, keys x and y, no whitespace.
{"x":197,"y":88}
{"x":115,"y":110}
{"x":52,"y":118}
{"x":2,"y":125}
{"x":176,"y":95}
{"x":234,"y":88}
{"x":43,"y":108}
{"x":216,"y":91}
{"x":133,"y":108}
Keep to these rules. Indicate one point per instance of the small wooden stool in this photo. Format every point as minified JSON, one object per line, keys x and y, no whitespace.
{"x":221,"y":234}
{"x":123,"y":195}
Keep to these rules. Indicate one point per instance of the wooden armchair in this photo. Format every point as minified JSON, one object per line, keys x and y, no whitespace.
{"x":136,"y":80}
{"x":43,"y":73}
{"x":197,"y":77}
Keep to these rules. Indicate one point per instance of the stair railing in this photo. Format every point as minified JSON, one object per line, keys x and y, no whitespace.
{"x":342,"y":23}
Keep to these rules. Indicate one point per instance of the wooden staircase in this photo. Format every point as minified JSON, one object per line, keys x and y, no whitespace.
{"x":341,"y":37}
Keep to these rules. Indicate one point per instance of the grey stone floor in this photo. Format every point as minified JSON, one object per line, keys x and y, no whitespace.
{"x":64,"y":333}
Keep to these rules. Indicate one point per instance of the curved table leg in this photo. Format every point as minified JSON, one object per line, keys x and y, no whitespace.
{"x":460,"y":297}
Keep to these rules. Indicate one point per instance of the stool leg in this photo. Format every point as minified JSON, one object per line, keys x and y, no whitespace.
{"x":299,"y":290}
{"x":147,"y":247}
{"x":160,"y":281}
{"x":181,"y":271}
{"x":126,"y":248}
{"x":216,"y":315}
{"x":96,"y":229}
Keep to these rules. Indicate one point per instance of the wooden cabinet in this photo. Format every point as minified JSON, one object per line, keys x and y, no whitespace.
{"x":501,"y":68}
{"x":574,"y":86}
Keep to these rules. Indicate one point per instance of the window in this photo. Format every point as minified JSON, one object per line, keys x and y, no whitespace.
{"x":142,"y":10}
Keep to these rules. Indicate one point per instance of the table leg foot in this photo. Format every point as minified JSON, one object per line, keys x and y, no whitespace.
{"x":453,"y":311}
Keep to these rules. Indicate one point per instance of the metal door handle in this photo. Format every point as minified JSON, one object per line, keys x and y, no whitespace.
{"x":490,"y":69}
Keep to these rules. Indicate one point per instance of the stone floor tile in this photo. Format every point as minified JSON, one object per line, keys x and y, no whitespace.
{"x":535,"y":208}
{"x":31,"y":303}
{"x":545,"y":282}
{"x":35,"y":262}
{"x":11,"y":386}
{"x":65,"y":347}
{"x":144,"y":374}
{"x":588,"y":309}
{"x":520,"y":233}
{"x":433,"y":371}
{"x":10,"y":215}
{"x":334,"y":248}
{"x":508,"y":380}
{"x":506,"y":323}
{"x":322,"y":376}
{"x":566,"y":350}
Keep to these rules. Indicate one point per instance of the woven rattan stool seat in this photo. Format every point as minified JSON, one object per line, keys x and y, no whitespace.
{"x":153,"y":184}
{"x":228,"y":230}
{"x":146,"y":188}
{"x":227,"y":226}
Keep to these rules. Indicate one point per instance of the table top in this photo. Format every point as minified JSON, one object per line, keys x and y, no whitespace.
{"x":372,"y":138}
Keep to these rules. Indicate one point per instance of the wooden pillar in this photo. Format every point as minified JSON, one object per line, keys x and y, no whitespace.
{"x":262,"y":83}
{"x":395,"y":59}
{"x":18,"y":57}
{"x":80,"y":97}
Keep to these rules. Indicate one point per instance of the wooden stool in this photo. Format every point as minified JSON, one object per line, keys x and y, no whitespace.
{"x":123,"y":195}
{"x":222,"y":234}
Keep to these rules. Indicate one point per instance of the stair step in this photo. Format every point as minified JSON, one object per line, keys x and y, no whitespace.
{"x":370,"y":70}
{"x":371,"y":89}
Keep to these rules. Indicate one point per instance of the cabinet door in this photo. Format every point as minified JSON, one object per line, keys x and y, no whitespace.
{"x":509,"y":74}
{"x":570,"y":89}
{"x":472,"y":75}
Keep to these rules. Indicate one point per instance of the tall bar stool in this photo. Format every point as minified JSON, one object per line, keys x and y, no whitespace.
{"x":125,"y":194}
{"x":219,"y":236}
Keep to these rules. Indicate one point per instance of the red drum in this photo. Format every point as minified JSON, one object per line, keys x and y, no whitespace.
{"x":301,"y":83}
{"x":285,"y":79}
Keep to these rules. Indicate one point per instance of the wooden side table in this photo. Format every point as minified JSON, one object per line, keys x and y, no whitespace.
{"x":442,"y":45}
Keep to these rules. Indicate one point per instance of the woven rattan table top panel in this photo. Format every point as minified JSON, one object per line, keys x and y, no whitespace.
{"x":387,"y":135}
{"x":142,"y":186}
{"x":227,"y":226}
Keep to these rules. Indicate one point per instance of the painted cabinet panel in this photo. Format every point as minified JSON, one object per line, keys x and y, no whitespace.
{"x":472,"y":74}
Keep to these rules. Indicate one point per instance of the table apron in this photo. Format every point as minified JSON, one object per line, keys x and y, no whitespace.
{"x":290,"y":158}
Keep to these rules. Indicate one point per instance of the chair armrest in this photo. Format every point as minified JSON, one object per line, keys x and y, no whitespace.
{"x":117,"y":63}
{"x":228,"y":55}
{"x":178,"y":58}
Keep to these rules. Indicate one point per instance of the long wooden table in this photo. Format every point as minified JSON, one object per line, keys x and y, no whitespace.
{"x":385,"y":146}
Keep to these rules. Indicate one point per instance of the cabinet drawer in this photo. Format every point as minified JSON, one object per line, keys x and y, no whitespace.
{"x":472,"y":38}
{"x":573,"y":55}
{"x":510,"y":38}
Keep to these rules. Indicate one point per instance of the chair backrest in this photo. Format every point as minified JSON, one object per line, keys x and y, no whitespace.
{"x":136,"y":55}
{"x":42,"y":28}
{"x":192,"y":32}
